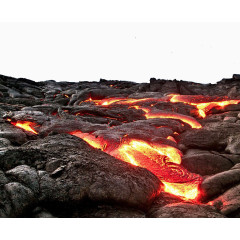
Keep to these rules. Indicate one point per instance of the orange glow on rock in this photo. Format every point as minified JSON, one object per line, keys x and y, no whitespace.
{"x":162,"y":160}
{"x":203,"y":107}
{"x":203,"y":103}
{"x":134,"y":147}
{"x":122,"y":101}
{"x":107,"y":102}
{"x":90,"y":139}
{"x":187,"y":191}
{"x":26,"y":125}
{"x":161,"y":114}
{"x":187,"y":119}
{"x":171,"y":138}
{"x":148,"y":111}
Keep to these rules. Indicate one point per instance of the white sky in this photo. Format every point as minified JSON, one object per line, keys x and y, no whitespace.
{"x":54,"y":39}
{"x":200,"y":52}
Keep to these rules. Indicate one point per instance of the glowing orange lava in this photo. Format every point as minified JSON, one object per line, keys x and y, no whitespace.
{"x":171,"y":139}
{"x":122,"y":101}
{"x":187,"y":119}
{"x":161,"y":114}
{"x":189,"y":190}
{"x":203,"y":107}
{"x":109,"y":101}
{"x":148,"y":110}
{"x":162,"y":160}
{"x":26,"y":125}
{"x":203,"y":104}
{"x":90,"y":139}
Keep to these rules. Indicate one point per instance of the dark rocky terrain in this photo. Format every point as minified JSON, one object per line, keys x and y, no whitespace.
{"x":53,"y":172}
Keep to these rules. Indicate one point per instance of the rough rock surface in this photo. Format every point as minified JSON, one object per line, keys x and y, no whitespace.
{"x":205,"y":162}
{"x":90,"y":173}
{"x":219,"y":183}
{"x":233,"y":144}
{"x":106,"y":211}
{"x":229,"y":202}
{"x":55,"y":174}
{"x":14,"y":135}
{"x":84,"y":173}
{"x":186,"y":210}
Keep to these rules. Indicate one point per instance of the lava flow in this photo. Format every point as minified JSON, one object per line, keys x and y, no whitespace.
{"x":148,"y":110}
{"x":203,"y":104}
{"x":26,"y":125}
{"x":162,"y":114}
{"x":123,"y":101}
{"x":162,"y":160}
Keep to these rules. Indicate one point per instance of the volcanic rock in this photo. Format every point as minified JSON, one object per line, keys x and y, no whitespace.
{"x":14,"y":135}
{"x":53,"y":164}
{"x":205,"y":163}
{"x":236,"y":76}
{"x":26,"y":176}
{"x":4,"y":143}
{"x":93,"y":174}
{"x":213,"y":136}
{"x":3,"y":179}
{"x":229,"y":202}
{"x":219,"y":183}
{"x":234,"y":144}
{"x":176,"y":107}
{"x":108,"y":211}
{"x":89,"y":174}
{"x":162,"y":200}
{"x":12,"y":157}
{"x":32,"y":116}
{"x":67,"y":126}
{"x":45,"y":171}
{"x":186,"y":210}
{"x":230,"y":119}
{"x":206,"y":139}
{"x":233,"y":92}
{"x":39,"y":212}
{"x":21,"y":199}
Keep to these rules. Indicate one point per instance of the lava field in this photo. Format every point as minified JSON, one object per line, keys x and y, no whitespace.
{"x":163,"y":149}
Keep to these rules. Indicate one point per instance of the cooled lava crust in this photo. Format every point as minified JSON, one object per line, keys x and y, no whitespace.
{"x":119,"y":149}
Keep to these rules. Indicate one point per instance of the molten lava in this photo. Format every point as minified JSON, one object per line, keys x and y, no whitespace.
{"x":90,"y":139}
{"x":187,"y":119}
{"x":26,"y":125}
{"x":203,"y":104}
{"x":198,"y":102}
{"x":161,"y":114}
{"x":171,"y":139}
{"x":162,"y":160}
{"x":149,"y":113}
{"x":122,"y":101}
{"x":189,"y":190}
